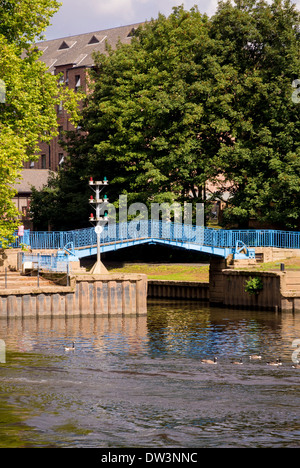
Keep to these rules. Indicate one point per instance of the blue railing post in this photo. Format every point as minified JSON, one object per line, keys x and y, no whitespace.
{"x":38,"y":272}
{"x":272,"y":239}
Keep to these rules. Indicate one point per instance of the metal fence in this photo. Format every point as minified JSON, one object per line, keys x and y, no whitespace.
{"x":51,"y":263}
{"x":160,"y":230}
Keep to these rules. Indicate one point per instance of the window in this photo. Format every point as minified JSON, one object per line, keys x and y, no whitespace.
{"x":63,"y":46}
{"x":94,"y":40}
{"x":77,"y":82}
{"x":132,"y":32}
{"x":67,"y":45}
{"x":2,"y":92}
{"x":43,"y":159}
{"x":60,"y":108}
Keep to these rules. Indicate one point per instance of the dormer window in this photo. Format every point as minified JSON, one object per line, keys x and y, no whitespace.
{"x":67,"y":45}
{"x":63,"y":46}
{"x":132,"y":33}
{"x":94,"y":40}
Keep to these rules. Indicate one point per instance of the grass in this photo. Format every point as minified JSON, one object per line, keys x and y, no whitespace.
{"x":171,"y":272}
{"x":292,"y":263}
{"x":187,"y":272}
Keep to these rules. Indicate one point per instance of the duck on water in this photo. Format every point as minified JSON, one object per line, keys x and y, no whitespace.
{"x":209,"y":361}
{"x":70,"y":349}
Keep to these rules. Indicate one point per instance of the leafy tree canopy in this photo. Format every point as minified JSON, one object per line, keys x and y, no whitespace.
{"x":193,"y":99}
{"x":23,"y":21}
{"x":261,"y":42}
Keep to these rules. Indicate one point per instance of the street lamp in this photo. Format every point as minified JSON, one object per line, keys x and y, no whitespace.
{"x":98,"y":220}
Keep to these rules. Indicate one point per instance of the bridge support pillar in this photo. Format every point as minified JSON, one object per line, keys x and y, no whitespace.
{"x":216,"y":280}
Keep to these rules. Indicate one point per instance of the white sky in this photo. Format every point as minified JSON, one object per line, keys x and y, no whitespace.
{"x":81,"y":16}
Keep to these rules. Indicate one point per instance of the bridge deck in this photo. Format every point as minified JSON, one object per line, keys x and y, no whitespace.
{"x":87,"y":251}
{"x":240,"y":243}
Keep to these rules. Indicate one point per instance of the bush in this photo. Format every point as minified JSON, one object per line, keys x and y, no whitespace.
{"x":254,"y":286}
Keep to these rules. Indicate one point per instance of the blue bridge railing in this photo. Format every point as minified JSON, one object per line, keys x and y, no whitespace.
{"x":162,"y":231}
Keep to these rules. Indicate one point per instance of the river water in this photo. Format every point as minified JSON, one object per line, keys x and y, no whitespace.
{"x":139,"y":382}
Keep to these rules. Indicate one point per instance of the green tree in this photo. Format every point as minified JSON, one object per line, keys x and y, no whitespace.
{"x":141,"y":124}
{"x":63,"y":203}
{"x":261,"y":42}
{"x":193,"y":99}
{"x":27,"y":108}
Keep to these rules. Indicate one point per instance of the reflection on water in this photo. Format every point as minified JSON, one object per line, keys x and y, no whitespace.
{"x":139,"y":382}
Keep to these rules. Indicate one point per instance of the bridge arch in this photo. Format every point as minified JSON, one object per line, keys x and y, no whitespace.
{"x":83,"y":243}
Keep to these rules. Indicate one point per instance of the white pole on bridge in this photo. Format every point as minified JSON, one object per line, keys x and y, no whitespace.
{"x":99,"y":221}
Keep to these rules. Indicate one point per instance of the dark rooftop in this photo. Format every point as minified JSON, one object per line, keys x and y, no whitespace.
{"x":78,"y":50}
{"x":37,"y":178}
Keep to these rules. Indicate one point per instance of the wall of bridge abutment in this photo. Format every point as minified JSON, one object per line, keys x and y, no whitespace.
{"x":89,"y":295}
{"x":280,"y":290}
{"x":274,"y":254}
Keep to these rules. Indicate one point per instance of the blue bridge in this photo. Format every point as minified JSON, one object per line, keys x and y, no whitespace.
{"x":82,"y":243}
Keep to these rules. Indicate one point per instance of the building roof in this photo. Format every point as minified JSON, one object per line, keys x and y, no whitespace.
{"x":78,"y":50}
{"x":37,"y":178}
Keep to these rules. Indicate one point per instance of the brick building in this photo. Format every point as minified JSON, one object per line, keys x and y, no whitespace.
{"x":72,"y":57}
{"x":37,"y":178}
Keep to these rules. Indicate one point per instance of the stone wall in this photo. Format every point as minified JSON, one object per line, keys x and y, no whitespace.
{"x":280,"y":292}
{"x":234,"y":294}
{"x":216,"y":280}
{"x":188,"y":290}
{"x":89,"y":295}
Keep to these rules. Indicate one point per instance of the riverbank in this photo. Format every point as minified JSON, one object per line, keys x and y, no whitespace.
{"x":192,"y":271}
{"x":223,"y":286}
{"x":185,"y":272}
{"x":87,"y":295}
{"x":182,"y":290}
{"x":124,"y":291}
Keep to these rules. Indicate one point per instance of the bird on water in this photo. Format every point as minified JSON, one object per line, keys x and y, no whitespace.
{"x":209,"y":361}
{"x":71,"y":349}
{"x":277,"y":363}
{"x":255,"y":357}
{"x":238,"y":363}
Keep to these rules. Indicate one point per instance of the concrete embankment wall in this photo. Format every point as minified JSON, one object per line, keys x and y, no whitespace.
{"x":178,"y":290}
{"x":273,"y":254}
{"x":88,"y":295}
{"x":280,"y":291}
{"x":126,"y":294}
{"x":234,"y":294}
{"x":227,"y":289}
